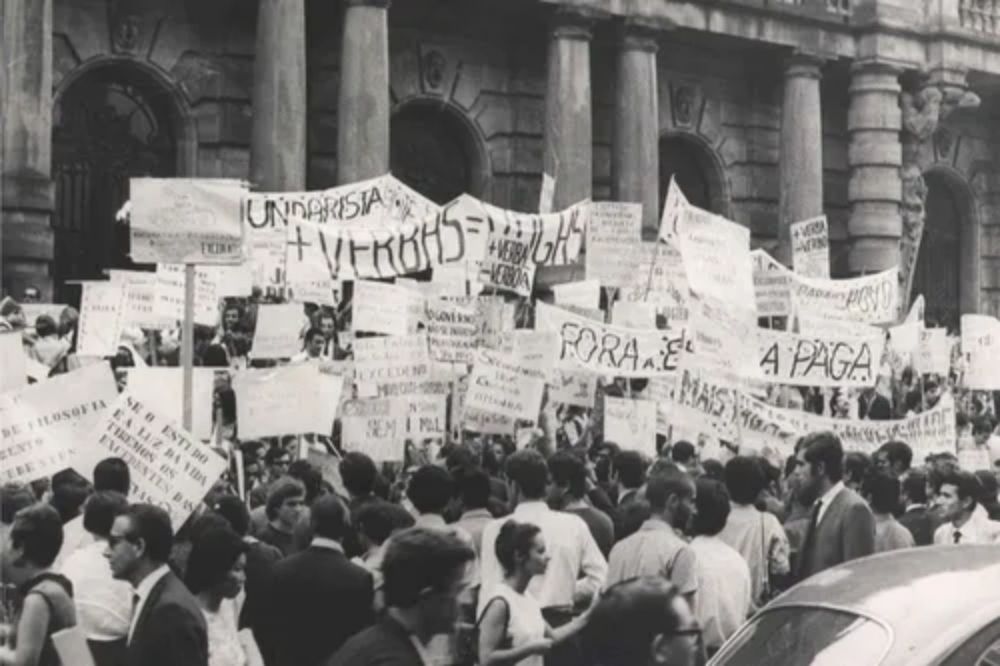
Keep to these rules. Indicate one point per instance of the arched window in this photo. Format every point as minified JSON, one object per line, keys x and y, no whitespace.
{"x":938,"y":273}
{"x":111,"y":124}
{"x":433,"y":152}
{"x":698,"y":177}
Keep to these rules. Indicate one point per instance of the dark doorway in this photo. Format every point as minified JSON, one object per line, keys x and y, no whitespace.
{"x":937,"y":275}
{"x":684,"y":160}
{"x":430,"y":150}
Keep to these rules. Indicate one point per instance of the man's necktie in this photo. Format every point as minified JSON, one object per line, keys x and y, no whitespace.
{"x":810,"y":540}
{"x":956,"y":536}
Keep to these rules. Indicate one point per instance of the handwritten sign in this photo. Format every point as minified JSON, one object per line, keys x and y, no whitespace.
{"x":375,"y":427}
{"x":426,"y":416}
{"x":100,"y":318}
{"x":631,"y":424}
{"x":287,"y":400}
{"x":169,"y":467}
{"x":673,"y":207}
{"x":789,"y":358}
{"x":704,"y":405}
{"x":981,"y":351}
{"x":453,"y":330}
{"x":41,"y":424}
{"x":169,"y":295}
{"x":400,"y":359}
{"x":583,"y":294}
{"x":32,"y":311}
{"x":872,"y":299}
{"x":716,"y":255}
{"x":933,"y":351}
{"x":611,"y":350}
{"x":276,"y":334}
{"x":811,"y":247}
{"x":164,"y":388}
{"x":508,"y":264}
{"x":613,"y":240}
{"x":13,"y":364}
{"x":502,"y":385}
{"x":187,"y":220}
{"x":573,"y":388}
{"x":386,"y":308}
{"x":772,"y":286}
{"x":554,"y":239}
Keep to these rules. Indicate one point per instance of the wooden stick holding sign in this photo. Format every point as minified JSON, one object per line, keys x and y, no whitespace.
{"x":187,"y":344}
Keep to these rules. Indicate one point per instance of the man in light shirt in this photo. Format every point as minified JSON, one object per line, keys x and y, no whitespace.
{"x":110,"y":474}
{"x":965,"y":519}
{"x":103,"y":604}
{"x":313,"y":350}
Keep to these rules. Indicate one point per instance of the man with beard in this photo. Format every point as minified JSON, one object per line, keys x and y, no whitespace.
{"x":841,"y":526}
{"x":657,"y":549}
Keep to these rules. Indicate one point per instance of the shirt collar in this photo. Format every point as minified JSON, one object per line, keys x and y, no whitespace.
{"x":477,"y":513}
{"x":910,"y":507}
{"x":532,"y":506}
{"x":430,"y":520}
{"x":145,"y":586}
{"x":328,"y":544}
{"x":831,"y":493}
{"x":657,"y":525}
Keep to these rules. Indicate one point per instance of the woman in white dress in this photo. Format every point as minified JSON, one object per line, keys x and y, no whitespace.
{"x":511,"y":627}
{"x":215,"y":575}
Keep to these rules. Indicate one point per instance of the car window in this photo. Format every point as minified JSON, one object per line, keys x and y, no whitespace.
{"x":807,"y":636}
{"x":982,"y":649}
{"x":992,"y":655}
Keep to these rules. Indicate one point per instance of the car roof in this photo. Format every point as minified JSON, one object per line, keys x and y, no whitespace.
{"x":929,"y":597}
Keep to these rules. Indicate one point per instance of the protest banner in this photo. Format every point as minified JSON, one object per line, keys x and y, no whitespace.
{"x":871,"y":299}
{"x":702,"y":404}
{"x":554,"y":239}
{"x":811,"y":247}
{"x":286,"y":400}
{"x":162,"y":387}
{"x":772,"y":286}
{"x":547,"y":194}
{"x":139,"y":305}
{"x":386,"y":308}
{"x":278,"y":331}
{"x":500,"y":383}
{"x":668,"y":286}
{"x":716,"y":254}
{"x":533,"y":350}
{"x":13,"y":364}
{"x":486,"y":423}
{"x":572,"y":387}
{"x":724,"y":342}
{"x":823,"y":326}
{"x":631,"y":424}
{"x":168,"y":466}
{"x":266,"y":249}
{"x":611,"y":350}
{"x":187,"y":220}
{"x":231,"y":281}
{"x":582,"y":294}
{"x":507,"y":264}
{"x":798,"y":360}
{"x":170,"y":294}
{"x":981,"y":352}
{"x":100,"y":318}
{"x":497,"y":316}
{"x":613,"y":238}
{"x":42,"y":424}
{"x":399,"y":359}
{"x":933,"y":352}
{"x":673,"y":207}
{"x":375,"y":427}
{"x":633,"y":315}
{"x":453,"y":330}
{"x":426,"y":416}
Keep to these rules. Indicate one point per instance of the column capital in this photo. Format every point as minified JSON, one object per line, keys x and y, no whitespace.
{"x":800,"y":64}
{"x":639,"y":34}
{"x":377,"y":4}
{"x":574,"y":22}
{"x":875,"y":66}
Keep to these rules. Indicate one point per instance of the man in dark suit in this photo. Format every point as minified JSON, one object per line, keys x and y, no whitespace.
{"x":424,"y":573}
{"x":168,"y":627}
{"x":916,"y":516}
{"x":841,"y":525}
{"x":318,"y":598}
{"x":873,"y":406}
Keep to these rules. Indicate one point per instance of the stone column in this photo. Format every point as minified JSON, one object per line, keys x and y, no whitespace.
{"x":363,"y":105}
{"x":801,"y":159}
{"x":874,"y":156}
{"x":278,"y":141}
{"x":635,"y":157}
{"x":26,"y":112}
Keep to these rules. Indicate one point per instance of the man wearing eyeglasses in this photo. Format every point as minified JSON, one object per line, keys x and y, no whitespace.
{"x":168,"y":628}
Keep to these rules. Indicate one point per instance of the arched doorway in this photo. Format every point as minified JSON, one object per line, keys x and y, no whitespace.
{"x":110,"y":124}
{"x":685,"y":159}
{"x":433,"y":151}
{"x":947,"y":256}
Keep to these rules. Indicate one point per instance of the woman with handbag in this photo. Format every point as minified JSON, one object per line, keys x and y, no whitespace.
{"x":511,"y":627}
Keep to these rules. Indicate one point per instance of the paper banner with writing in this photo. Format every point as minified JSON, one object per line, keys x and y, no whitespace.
{"x":790,"y":358}
{"x":164,"y":388}
{"x":507,"y":264}
{"x":772,"y":286}
{"x":501,"y":384}
{"x":981,"y":351}
{"x":286,"y":400}
{"x":100,"y":318}
{"x":13,"y":364}
{"x":386,"y":308}
{"x":169,"y":294}
{"x":453,"y":330}
{"x":278,"y":331}
{"x":933,"y":351}
{"x":573,"y":387}
{"x":872,"y":299}
{"x":613,"y":239}
{"x":399,"y":359}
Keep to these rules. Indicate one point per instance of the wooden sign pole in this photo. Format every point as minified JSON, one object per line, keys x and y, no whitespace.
{"x":187,"y":343}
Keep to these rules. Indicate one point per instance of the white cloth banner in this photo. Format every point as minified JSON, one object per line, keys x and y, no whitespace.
{"x":872,"y":299}
{"x":43,"y":424}
{"x":398,"y":359}
{"x":790,"y":358}
{"x":981,"y":352}
{"x":811,"y":247}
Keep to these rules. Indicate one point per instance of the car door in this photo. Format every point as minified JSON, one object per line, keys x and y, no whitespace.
{"x":982,"y":649}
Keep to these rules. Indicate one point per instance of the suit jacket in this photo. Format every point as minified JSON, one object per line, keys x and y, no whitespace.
{"x":846,"y":532}
{"x":878,"y":410}
{"x":919,"y":522}
{"x":170,"y":629}
{"x":318,"y":600}
{"x":385,"y":644}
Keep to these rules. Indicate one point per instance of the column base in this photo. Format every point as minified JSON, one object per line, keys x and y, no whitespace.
{"x":27,"y":237}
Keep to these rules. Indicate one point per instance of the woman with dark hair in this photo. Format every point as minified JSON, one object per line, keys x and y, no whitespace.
{"x":46,"y":605}
{"x":215,"y":575}
{"x":511,"y":628}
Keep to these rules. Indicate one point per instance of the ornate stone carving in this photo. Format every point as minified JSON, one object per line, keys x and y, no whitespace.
{"x":684,"y":101}
{"x":944,"y":139}
{"x":433,"y":67}
{"x":126,"y":34}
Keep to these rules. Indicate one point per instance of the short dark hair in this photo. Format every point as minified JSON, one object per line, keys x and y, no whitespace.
{"x":882,"y":491}
{"x":377,"y":520}
{"x":914,"y":486}
{"x":312,"y":333}
{"x":568,"y":469}
{"x":527,"y":469}
{"x":966,"y":484}
{"x":329,"y":517}
{"x":713,"y":469}
{"x":825,"y":447}
{"x":659,"y":488}
{"x":474,"y":488}
{"x":712,"y":503}
{"x":358,"y":473}
{"x":13,"y":498}
{"x":310,"y":477}
{"x":420,"y":559}
{"x":112,"y":474}
{"x":214,"y":551}
{"x":896,"y":451}
{"x":514,"y":539}
{"x":682,"y":452}
{"x":283,"y":489}
{"x":744,"y":479}
{"x":857,"y":466}
{"x":151,"y":524}
{"x":626,"y":619}
{"x":430,"y":489}
{"x":101,"y":510}
{"x":234,"y":511}
{"x":631,"y":468}
{"x":982,"y":425}
{"x":38,"y":532}
{"x":274,"y":454}
{"x":989,"y":484}
{"x":69,"y":491}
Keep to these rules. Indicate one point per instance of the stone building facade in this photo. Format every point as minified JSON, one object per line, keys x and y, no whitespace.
{"x":880,"y":113}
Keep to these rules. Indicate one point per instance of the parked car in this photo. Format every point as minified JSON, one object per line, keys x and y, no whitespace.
{"x":935,"y":605}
